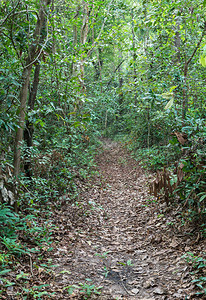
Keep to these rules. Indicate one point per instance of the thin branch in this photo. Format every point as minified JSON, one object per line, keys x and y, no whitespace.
{"x":77,"y":12}
{"x":198,"y":45}
{"x":18,"y":13}
{"x":5,"y":19}
{"x":100,"y":32}
{"x":12,"y":41}
{"x":26,"y":11}
{"x":40,"y":52}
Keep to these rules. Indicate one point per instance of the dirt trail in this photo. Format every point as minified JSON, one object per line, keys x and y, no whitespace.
{"x":118,"y":237}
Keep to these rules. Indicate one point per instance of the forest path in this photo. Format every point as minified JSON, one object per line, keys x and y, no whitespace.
{"x":120,"y":238}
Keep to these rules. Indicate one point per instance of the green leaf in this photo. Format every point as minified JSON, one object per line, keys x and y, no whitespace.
{"x":202,"y":278}
{"x":199,"y":285}
{"x":129,"y":263}
{"x":22,"y":275}
{"x":39,"y":121}
{"x":167,"y":95}
{"x":169,"y":104}
{"x":202,"y":198}
{"x":203,"y":60}
{"x":121,"y":263}
{"x":65,"y":271}
{"x":5,"y":271}
{"x":173,"y":88}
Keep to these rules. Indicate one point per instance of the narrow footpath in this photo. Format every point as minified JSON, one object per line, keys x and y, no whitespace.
{"x":118,"y":237}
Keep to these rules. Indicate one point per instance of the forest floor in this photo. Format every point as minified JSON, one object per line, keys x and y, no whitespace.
{"x":119,"y":238}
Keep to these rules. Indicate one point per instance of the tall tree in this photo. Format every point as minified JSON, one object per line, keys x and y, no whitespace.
{"x":34,"y":53}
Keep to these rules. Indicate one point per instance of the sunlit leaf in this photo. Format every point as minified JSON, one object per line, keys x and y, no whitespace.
{"x":203,"y":60}
{"x":169,"y":104}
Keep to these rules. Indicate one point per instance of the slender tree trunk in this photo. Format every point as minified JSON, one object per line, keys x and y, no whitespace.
{"x":22,"y":112}
{"x":134,"y":48}
{"x":33,"y":55}
{"x":98,"y":66}
{"x":177,"y":39}
{"x":121,"y":96}
{"x":74,"y":67}
{"x":83,"y":39}
{"x":184,"y":94}
{"x":28,"y":132}
{"x":105,"y":122}
{"x":148,"y":127}
{"x":135,"y":62}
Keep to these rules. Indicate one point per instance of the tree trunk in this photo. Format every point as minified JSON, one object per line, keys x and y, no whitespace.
{"x":121,"y":96}
{"x":28,"y":132}
{"x":134,"y":60}
{"x":22,"y":112}
{"x":134,"y":48}
{"x":33,"y":55}
{"x":83,"y":39}
{"x":184,"y":94}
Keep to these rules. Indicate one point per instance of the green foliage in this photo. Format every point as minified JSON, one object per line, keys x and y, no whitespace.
{"x":13,"y":228}
{"x":36,"y":292}
{"x":103,"y":255}
{"x":12,"y":246}
{"x":198,"y":264}
{"x":85,"y":289}
{"x":10,"y":224}
{"x":192,"y":188}
{"x":17,"y":236}
{"x":155,"y":157}
{"x":8,"y":221}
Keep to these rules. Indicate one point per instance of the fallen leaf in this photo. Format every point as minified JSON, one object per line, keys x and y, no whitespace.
{"x":135,"y":291}
{"x":159,"y":291}
{"x":174,"y":243}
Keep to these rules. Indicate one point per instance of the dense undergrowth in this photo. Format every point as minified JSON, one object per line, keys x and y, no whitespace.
{"x":180,"y":166}
{"x":190,"y":191}
{"x":180,"y":151}
{"x":26,"y":236}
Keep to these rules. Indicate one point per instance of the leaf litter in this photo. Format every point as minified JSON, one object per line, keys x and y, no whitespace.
{"x":119,"y":238}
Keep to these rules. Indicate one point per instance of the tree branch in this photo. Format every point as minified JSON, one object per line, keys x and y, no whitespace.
{"x":40,"y":52}
{"x":5,"y":19}
{"x":100,"y":32}
{"x":198,"y":45}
